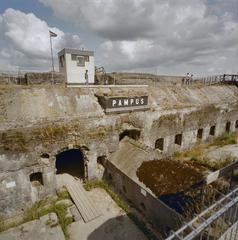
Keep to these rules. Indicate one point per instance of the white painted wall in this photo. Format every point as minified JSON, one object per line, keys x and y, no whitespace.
{"x":75,"y":74}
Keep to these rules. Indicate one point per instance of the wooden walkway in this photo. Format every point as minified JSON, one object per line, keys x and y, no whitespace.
{"x":81,"y":199}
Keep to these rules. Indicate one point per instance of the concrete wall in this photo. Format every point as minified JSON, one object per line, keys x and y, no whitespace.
{"x":151,"y":207}
{"x":168,"y":126}
{"x":49,"y":119}
{"x":16,"y":190}
{"x":44,"y":78}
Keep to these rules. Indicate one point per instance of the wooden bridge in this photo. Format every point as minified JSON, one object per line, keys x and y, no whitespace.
{"x":80,"y":197}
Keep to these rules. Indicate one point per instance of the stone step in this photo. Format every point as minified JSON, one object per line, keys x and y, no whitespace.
{"x":82,"y":201}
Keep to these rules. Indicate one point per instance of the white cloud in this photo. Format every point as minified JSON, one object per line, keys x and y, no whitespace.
{"x":123,"y":19}
{"x":170,"y":36}
{"x":25,"y":41}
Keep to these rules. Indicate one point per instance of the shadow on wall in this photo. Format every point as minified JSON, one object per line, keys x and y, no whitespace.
{"x":131,"y":133}
{"x":118,"y":228}
{"x":179,"y":202}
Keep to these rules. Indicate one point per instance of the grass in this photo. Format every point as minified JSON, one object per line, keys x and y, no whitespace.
{"x":64,"y":221}
{"x":38,"y":210}
{"x":214,"y":165}
{"x":223,"y":163}
{"x":196,"y":154}
{"x":122,"y":204}
{"x":225,"y":139}
{"x":63,"y":194}
{"x":42,"y":208}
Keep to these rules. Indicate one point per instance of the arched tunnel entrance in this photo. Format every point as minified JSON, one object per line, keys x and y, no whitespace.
{"x":71,"y":162}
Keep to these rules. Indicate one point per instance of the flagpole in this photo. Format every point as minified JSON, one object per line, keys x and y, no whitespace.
{"x":52,"y":34}
{"x":52,"y":59}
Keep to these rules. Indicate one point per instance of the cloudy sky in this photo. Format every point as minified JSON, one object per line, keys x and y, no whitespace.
{"x":158,"y":36}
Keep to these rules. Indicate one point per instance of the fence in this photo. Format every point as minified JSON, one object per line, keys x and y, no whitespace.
{"x":30,"y":78}
{"x":216,"y":222}
{"x":215,"y":79}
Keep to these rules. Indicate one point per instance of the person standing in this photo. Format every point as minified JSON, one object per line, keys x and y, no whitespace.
{"x":86,"y":77}
{"x":183,"y":79}
{"x":187,"y":78}
{"x":191,"y":79}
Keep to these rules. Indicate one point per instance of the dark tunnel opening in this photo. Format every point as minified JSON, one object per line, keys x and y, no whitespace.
{"x":131,"y":133}
{"x":71,"y":162}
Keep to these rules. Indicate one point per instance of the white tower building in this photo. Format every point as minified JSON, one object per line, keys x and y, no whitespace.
{"x":76,"y":65}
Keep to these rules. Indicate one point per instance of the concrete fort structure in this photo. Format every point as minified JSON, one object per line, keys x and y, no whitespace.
{"x":74,"y":64}
{"x":47,"y":130}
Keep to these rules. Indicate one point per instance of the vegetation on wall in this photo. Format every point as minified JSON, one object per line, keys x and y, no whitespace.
{"x":21,"y":141}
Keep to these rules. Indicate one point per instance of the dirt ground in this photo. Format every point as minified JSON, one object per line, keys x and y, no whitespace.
{"x":168,"y":176}
{"x":113,"y":224}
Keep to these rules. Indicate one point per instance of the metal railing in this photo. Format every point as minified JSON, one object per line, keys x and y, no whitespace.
{"x":215,"y":79}
{"x":213,"y":222}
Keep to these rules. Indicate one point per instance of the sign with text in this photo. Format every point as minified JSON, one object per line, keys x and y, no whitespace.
{"x":119,"y":102}
{"x":123,"y":104}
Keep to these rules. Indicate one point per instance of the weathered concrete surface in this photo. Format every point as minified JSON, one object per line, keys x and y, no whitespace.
{"x":44,"y":78}
{"x":220,"y":153}
{"x":25,"y":106}
{"x":38,"y":122}
{"x":129,"y":157}
{"x":15,"y":181}
{"x":45,"y":228}
{"x":113,"y":224}
{"x":121,"y":171}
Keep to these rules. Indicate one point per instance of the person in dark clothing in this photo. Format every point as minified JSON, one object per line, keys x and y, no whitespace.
{"x":86,"y":77}
{"x":191,"y":79}
{"x":183,"y":79}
